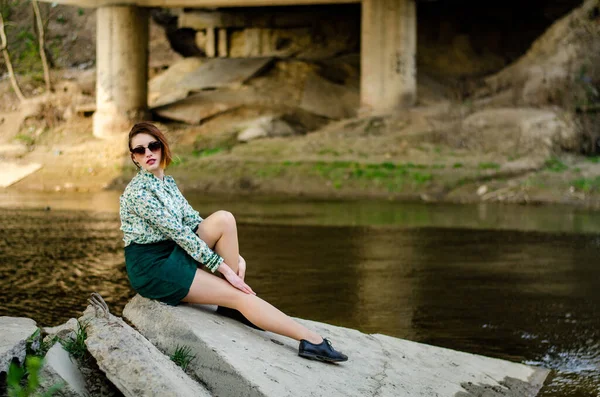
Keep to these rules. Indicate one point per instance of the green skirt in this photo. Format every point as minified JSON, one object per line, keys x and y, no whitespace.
{"x":161,"y":271}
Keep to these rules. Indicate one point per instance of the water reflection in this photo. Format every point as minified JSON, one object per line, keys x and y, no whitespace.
{"x":50,"y":262}
{"x":370,"y":213}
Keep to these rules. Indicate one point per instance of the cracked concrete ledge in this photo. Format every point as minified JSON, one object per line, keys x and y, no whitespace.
{"x":234,"y":360}
{"x":133,"y":364}
{"x":14,"y":332}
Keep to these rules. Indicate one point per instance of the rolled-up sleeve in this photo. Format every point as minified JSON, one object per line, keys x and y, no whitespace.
{"x":150,"y":209}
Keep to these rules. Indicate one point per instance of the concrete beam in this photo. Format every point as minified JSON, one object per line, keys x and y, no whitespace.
{"x":122,"y":69}
{"x":290,"y":17}
{"x":388,"y":55}
{"x":195,"y":3}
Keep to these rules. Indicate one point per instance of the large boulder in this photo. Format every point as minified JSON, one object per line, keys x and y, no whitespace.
{"x":14,"y":333}
{"x":264,"y":127}
{"x":235,"y":360}
{"x":519,"y":131}
{"x":550,"y":71}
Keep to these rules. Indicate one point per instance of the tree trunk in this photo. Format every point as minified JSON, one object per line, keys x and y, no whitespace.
{"x":40,"y":25}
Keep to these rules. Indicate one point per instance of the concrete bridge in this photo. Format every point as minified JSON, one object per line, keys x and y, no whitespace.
{"x":388,"y":52}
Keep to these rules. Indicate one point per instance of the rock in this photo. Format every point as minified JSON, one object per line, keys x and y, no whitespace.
{"x":62,"y":331}
{"x":59,"y":368}
{"x":162,"y":89}
{"x":32,"y":107}
{"x":13,"y":172}
{"x":131,"y":363}
{"x":14,"y":332}
{"x":235,"y":360}
{"x":223,"y":72}
{"x":519,"y":131}
{"x":328,"y":99}
{"x":266,"y":126}
{"x":203,"y":105}
{"x":545,"y":74}
{"x":85,"y":109}
{"x":481,"y":190}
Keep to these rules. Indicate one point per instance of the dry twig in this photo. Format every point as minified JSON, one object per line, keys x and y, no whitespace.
{"x":11,"y":73}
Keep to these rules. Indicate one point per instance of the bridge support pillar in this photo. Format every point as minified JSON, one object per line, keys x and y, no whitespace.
{"x":388,"y":55}
{"x":121,"y":69}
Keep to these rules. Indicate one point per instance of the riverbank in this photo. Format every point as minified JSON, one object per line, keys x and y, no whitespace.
{"x":400,"y":158}
{"x":293,"y":128}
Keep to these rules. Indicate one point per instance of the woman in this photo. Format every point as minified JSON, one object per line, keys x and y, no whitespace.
{"x":166,"y":242}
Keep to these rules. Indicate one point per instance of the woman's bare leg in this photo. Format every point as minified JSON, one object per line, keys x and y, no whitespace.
{"x":219,"y":232}
{"x":211,"y":290}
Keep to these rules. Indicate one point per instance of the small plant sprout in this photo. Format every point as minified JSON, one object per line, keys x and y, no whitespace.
{"x":183,"y":356}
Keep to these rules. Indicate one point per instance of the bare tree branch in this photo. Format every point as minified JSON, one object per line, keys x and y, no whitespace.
{"x":11,"y":73}
{"x":40,"y":25}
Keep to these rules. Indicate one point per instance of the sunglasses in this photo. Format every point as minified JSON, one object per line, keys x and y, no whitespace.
{"x":153,"y":146}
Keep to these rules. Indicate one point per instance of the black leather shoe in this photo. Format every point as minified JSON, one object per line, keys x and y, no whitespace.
{"x":236,"y":315}
{"x":324,"y":351}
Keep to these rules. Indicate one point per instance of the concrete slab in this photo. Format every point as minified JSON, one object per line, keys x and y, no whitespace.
{"x":12,"y":150}
{"x":131,"y":363}
{"x":328,"y":99}
{"x":14,"y":172}
{"x":59,"y":368}
{"x":162,"y":88}
{"x":203,"y":105}
{"x":14,"y":332}
{"x":235,"y":360}
{"x":223,"y":72}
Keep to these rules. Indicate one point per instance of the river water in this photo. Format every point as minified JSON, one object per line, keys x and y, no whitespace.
{"x":517,"y":283}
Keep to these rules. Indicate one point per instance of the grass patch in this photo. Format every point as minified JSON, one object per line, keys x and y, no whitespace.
{"x":183,"y":356}
{"x":76,"y":346}
{"x":488,"y":166}
{"x":420,"y":178}
{"x":269,"y":170}
{"x":394,"y":176}
{"x":178,"y":160}
{"x":457,"y":165}
{"x":587,"y":185}
{"x":207,"y":152}
{"x":555,"y":165}
{"x":325,"y":152}
{"x":26,"y":139}
{"x":595,"y":160}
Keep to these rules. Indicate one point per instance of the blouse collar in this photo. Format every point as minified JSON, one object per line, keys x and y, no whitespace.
{"x":148,"y":174}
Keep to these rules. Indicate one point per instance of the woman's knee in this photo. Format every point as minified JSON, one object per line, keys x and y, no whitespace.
{"x":226,"y":218}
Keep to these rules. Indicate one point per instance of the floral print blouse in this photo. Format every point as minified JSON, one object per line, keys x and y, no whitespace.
{"x":153,"y":210}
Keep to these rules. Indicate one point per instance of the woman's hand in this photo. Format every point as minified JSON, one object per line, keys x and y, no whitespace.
{"x":242,"y":268}
{"x":234,"y":279}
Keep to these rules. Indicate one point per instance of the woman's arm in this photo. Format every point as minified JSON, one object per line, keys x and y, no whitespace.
{"x":148,"y":207}
{"x":234,"y":279}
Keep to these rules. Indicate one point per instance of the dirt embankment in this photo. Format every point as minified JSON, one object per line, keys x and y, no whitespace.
{"x":514,"y":139}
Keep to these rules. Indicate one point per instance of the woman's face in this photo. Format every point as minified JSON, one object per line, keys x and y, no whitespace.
{"x":151,"y":157}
